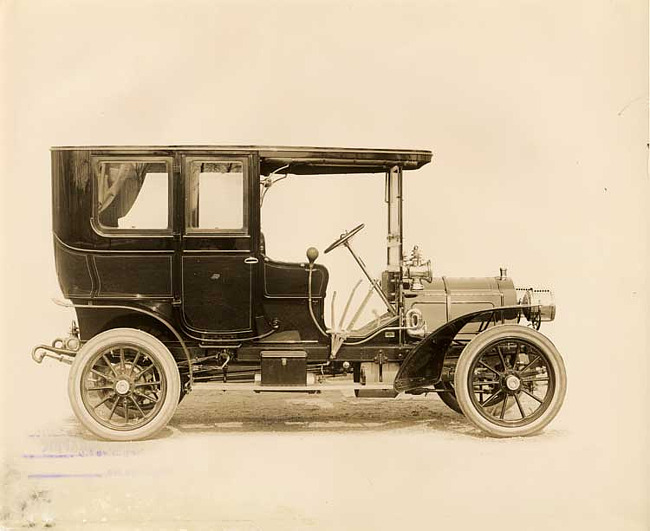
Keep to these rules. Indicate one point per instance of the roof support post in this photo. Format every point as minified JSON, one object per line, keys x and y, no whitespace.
{"x":393,"y":198}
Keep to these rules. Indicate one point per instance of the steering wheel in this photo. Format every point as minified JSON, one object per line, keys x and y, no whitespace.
{"x":344,"y":238}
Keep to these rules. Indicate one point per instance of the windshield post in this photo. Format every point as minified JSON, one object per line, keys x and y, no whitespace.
{"x":394,"y":236}
{"x":394,"y":253}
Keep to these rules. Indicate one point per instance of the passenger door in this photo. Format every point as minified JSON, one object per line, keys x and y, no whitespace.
{"x":219,"y":256}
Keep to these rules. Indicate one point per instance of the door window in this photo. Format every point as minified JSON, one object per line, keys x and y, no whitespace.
{"x":216,"y":197}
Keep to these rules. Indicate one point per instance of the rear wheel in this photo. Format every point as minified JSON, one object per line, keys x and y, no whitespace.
{"x":510,"y":381}
{"x":124,"y":385}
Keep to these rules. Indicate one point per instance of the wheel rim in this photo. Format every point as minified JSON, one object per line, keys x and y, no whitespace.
{"x":123,"y":387}
{"x":511,"y":382}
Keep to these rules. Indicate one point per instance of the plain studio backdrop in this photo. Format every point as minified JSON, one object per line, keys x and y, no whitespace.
{"x":536,"y":112}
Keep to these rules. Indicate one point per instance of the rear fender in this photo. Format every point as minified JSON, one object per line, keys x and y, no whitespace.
{"x":423,"y":365}
{"x":151,"y":312}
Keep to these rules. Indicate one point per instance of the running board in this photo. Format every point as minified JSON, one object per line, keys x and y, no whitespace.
{"x":250,"y":386}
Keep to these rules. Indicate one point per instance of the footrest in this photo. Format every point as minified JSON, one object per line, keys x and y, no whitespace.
{"x":288,"y":336}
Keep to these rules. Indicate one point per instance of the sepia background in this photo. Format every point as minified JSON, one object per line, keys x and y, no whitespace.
{"x":537,"y":114}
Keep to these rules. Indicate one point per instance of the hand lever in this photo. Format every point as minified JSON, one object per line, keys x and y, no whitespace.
{"x":312,"y":254}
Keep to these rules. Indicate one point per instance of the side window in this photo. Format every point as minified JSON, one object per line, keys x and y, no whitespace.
{"x":216,"y":197}
{"x":132,"y":195}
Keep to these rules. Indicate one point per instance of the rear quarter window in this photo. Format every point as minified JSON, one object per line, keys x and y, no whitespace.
{"x":132,"y":195}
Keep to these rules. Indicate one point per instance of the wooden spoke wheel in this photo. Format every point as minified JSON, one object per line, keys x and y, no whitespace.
{"x":124,"y":385}
{"x":510,"y":381}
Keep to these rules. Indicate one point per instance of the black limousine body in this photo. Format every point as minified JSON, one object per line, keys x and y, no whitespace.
{"x":160,"y":253}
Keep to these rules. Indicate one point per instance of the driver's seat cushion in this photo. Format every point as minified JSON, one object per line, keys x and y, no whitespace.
{"x":289,"y":280}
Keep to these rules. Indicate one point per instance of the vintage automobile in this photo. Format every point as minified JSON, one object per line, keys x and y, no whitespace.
{"x":159,"y":251}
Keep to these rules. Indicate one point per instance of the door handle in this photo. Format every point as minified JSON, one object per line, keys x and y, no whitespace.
{"x":251,"y":260}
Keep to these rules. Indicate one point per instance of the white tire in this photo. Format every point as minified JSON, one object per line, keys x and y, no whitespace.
{"x":510,"y":381}
{"x":124,"y":385}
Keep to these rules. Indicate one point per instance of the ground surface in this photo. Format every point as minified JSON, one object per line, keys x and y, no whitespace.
{"x":291,"y":461}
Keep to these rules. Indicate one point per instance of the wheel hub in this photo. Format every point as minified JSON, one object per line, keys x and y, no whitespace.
{"x":513,"y":383}
{"x":123,"y":387}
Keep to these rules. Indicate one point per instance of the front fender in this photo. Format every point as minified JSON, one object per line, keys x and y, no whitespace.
{"x":423,"y":365}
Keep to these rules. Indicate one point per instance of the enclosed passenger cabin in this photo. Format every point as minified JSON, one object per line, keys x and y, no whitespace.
{"x":174,"y":231}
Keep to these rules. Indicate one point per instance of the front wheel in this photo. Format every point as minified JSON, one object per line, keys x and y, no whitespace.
{"x":124,"y":385}
{"x":510,"y":381}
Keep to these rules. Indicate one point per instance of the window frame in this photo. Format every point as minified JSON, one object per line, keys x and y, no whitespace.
{"x":187,"y":176}
{"x":127,"y":232}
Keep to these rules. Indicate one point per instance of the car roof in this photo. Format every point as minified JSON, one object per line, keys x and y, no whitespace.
{"x":299,"y":160}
